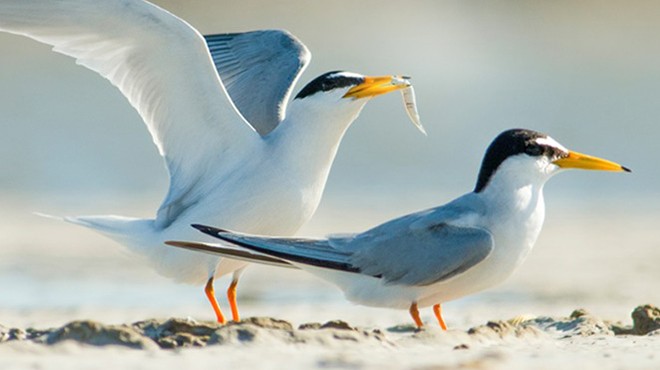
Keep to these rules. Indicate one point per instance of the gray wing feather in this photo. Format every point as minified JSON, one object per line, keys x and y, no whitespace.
{"x":259,"y":69}
{"x":423,"y":257}
{"x":412,"y":257}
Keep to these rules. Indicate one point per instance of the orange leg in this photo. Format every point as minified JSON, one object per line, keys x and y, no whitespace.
{"x":414,"y":312}
{"x":231,"y":297}
{"x":210,"y":294}
{"x":437,"y":310}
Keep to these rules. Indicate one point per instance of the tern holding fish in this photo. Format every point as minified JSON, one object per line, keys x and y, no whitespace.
{"x":237,"y":154}
{"x":430,"y":257}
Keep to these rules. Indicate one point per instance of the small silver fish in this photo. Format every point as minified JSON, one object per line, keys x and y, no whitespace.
{"x":410,"y":104}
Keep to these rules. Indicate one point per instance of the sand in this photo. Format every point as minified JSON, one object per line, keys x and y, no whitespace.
{"x":259,"y":342}
{"x":70,"y":299}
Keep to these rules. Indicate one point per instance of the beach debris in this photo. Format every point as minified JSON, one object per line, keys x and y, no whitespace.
{"x":97,"y":334}
{"x":310,"y":326}
{"x":646,"y":319}
{"x":253,"y":330}
{"x":266,"y":323}
{"x":268,"y":330}
{"x":403,"y":328}
{"x":521,"y":319}
{"x":503,"y":329}
{"x":5,"y":334}
{"x":579,"y":323}
{"x":579,"y":313}
{"x":337,"y":324}
{"x":176,"y":333}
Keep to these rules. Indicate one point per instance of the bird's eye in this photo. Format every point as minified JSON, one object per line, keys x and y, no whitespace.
{"x":533,"y":150}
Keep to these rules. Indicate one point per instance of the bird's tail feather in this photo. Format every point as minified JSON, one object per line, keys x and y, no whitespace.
{"x":143,"y":240}
{"x":131,"y":232}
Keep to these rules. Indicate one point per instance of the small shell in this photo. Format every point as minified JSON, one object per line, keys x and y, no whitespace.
{"x":410,"y":104}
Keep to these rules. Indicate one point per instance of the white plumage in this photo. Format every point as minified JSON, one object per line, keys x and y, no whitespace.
{"x":265,"y":176}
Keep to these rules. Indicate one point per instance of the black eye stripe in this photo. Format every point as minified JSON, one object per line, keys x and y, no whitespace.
{"x":328,"y":81}
{"x":534,"y":149}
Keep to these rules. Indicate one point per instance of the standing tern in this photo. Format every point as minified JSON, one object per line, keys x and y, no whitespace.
{"x":437,"y":255}
{"x":262,"y":170}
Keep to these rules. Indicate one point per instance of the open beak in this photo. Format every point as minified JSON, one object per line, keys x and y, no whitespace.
{"x":374,"y":86}
{"x":587,"y":162}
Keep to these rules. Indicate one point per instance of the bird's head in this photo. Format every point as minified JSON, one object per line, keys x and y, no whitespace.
{"x":346,"y":91}
{"x":351,"y":86}
{"x":529,"y":157}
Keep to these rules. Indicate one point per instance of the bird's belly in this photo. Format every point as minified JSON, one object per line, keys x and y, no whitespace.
{"x":264,"y":208}
{"x":272,"y":211}
{"x":368,"y":290}
{"x":269,"y":204}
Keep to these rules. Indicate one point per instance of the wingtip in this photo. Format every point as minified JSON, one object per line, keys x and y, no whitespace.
{"x":214,"y":231}
{"x":182,"y":244}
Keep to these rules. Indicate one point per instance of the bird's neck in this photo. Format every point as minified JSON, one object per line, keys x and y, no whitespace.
{"x":308,"y":138}
{"x":515,"y":216}
{"x":516,"y":202}
{"x":516,"y":213}
{"x":516,"y":185}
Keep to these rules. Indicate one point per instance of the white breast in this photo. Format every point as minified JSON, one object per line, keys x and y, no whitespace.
{"x":514,"y":214}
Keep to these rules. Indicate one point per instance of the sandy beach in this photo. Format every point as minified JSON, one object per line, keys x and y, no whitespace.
{"x":87,"y":305}
{"x":580,"y":340}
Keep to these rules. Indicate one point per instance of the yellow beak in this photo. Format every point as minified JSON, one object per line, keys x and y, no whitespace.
{"x":587,"y":162}
{"x":374,"y":86}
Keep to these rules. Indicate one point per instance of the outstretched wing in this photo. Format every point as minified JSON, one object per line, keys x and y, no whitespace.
{"x":259,"y":70}
{"x":158,"y":61}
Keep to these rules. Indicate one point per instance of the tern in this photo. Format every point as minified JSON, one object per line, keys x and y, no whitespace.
{"x":437,"y":255}
{"x":216,"y":107}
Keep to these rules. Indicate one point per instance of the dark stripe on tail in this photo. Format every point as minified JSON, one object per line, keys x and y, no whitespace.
{"x":217,"y":233}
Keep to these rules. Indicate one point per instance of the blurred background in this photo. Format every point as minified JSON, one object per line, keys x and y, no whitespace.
{"x":587,"y":73}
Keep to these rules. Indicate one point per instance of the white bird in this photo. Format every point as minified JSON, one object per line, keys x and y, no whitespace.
{"x":262,"y":170}
{"x":440,"y":254}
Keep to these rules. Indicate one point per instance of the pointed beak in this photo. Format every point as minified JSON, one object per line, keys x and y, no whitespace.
{"x":374,"y":86}
{"x":587,"y":162}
